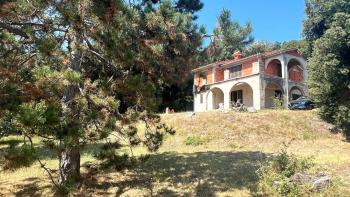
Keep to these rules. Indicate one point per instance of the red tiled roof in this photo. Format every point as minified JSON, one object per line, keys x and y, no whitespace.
{"x":256,"y":56}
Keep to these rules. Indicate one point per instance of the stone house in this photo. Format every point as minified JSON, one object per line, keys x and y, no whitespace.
{"x":255,"y":80}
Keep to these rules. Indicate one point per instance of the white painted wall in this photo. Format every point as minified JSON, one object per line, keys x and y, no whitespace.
{"x":257,"y":96}
{"x":214,"y":98}
{"x":252,"y":98}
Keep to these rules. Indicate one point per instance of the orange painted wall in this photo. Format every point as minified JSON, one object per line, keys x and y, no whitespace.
{"x":209,"y":76}
{"x":219,"y":74}
{"x":247,"y":68}
{"x":197,"y":79}
{"x":273,"y":68}
{"x":295,"y":74}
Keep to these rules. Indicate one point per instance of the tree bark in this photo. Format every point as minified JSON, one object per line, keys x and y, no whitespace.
{"x":69,"y":165}
{"x":69,"y":156}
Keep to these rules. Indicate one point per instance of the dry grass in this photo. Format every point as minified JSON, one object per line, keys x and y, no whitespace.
{"x":224,"y":164}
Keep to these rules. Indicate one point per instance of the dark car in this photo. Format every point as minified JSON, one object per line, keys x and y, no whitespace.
{"x":302,"y":103}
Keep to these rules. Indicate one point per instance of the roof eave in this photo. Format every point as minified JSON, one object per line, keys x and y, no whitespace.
{"x":277,"y":52}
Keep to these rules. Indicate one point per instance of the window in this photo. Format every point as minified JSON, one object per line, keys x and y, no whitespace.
{"x":235,"y":95}
{"x":235,"y":72}
{"x":201,"y":98}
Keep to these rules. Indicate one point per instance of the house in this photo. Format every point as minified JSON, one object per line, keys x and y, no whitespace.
{"x":255,"y":80}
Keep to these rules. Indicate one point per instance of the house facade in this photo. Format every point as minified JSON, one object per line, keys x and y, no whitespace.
{"x":255,"y":80}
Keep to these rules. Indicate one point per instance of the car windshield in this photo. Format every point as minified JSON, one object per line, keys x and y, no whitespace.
{"x":301,"y":98}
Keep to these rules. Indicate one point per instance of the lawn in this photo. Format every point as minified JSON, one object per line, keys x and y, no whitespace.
{"x":212,"y":154}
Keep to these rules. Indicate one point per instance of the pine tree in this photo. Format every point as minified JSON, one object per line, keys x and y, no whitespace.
{"x":76,"y":72}
{"x":327,"y":32}
{"x":229,"y":36}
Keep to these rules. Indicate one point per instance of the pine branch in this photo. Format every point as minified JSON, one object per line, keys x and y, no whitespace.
{"x":14,"y":30}
{"x":42,"y":165}
{"x":101,"y":57}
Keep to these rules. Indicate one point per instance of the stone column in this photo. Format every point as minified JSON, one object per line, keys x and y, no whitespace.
{"x":262,"y":82}
{"x":285,"y":77}
{"x":227,"y":100}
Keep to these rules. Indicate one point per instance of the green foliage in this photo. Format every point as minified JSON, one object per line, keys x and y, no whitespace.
{"x":77,"y":72}
{"x":327,"y":34}
{"x":196,"y":140}
{"x":264,"y":46}
{"x":178,"y":96}
{"x":274,"y":176}
{"x":229,"y":36}
{"x":260,"y":47}
{"x":110,"y":159}
{"x":278,"y":102}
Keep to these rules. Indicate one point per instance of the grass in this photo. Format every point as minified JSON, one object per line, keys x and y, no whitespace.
{"x":196,"y":140}
{"x":212,"y":154}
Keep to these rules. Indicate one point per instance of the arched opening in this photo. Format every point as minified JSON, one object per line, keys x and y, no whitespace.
{"x":295,"y":70}
{"x":272,"y":91}
{"x":274,"y":68}
{"x":242,"y":92}
{"x":295,"y":93}
{"x":215,"y":99}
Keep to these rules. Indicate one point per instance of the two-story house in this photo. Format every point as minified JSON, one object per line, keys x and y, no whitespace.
{"x":255,"y":80}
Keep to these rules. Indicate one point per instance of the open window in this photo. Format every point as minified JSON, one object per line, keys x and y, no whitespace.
{"x":235,"y":72}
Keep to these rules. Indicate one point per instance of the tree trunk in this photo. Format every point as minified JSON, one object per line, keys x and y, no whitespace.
{"x":69,"y":157}
{"x":69,"y":165}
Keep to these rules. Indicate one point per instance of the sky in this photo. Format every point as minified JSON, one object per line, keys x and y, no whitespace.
{"x":272,"y":20}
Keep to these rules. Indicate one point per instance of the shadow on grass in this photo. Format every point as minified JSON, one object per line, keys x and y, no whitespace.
{"x":14,"y":156}
{"x":10,"y":142}
{"x":192,"y":174}
{"x":169,"y":174}
{"x":30,"y":187}
{"x":209,"y":172}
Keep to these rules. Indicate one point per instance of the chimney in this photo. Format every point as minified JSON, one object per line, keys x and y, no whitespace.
{"x":237,"y":55}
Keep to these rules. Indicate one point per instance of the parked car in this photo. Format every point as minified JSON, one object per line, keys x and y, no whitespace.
{"x":302,"y":103}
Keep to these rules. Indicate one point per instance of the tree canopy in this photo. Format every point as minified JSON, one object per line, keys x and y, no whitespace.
{"x":77,"y":72}
{"x":327,"y":33}
{"x":229,"y":36}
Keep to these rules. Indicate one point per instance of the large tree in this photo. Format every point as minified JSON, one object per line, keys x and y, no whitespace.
{"x":77,"y":72}
{"x":327,"y":32}
{"x":229,"y":36}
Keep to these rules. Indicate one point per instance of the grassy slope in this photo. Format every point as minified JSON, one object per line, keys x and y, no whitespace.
{"x":233,"y":146}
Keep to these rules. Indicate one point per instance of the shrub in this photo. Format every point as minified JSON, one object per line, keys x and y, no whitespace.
{"x":278,"y":102}
{"x":274,"y":176}
{"x":196,"y":140}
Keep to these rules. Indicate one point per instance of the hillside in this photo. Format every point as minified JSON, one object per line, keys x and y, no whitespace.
{"x":211,"y":154}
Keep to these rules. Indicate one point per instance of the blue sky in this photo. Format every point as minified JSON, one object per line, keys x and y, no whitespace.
{"x":272,"y":20}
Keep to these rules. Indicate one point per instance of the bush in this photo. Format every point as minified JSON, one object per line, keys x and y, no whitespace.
{"x":274,"y":176}
{"x":278,"y":102}
{"x":196,"y":140}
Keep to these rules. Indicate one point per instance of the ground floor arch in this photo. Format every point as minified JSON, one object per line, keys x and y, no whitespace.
{"x":295,"y":92}
{"x":272,"y":91}
{"x":215,"y":99}
{"x":242,"y":92}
